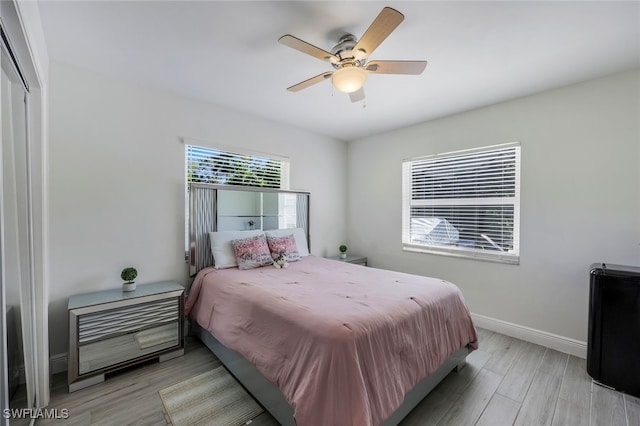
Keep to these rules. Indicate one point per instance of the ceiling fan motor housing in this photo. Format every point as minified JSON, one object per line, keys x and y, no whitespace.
{"x":344,"y":51}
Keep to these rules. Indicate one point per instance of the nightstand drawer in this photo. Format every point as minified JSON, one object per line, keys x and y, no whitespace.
{"x":117,"y":321}
{"x":105,"y":353}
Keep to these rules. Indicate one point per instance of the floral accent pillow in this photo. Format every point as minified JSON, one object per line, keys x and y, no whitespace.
{"x":252,"y":252}
{"x":286,"y":245}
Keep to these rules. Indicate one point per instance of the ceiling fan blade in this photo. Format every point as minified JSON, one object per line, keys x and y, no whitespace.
{"x":396,"y":67}
{"x":310,"y":82}
{"x":380,"y":28}
{"x":304,"y":47}
{"x":357,"y":96}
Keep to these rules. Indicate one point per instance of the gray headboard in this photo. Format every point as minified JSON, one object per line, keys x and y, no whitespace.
{"x":226,"y":207}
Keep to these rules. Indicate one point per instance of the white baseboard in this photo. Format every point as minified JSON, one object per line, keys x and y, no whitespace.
{"x":58,"y":363}
{"x":539,"y":337}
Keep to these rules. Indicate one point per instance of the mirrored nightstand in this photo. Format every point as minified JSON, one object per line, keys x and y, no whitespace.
{"x":112,"y":329}
{"x":351,"y":258}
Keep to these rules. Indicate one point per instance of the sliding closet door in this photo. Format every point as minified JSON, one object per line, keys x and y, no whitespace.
{"x":16,"y":238}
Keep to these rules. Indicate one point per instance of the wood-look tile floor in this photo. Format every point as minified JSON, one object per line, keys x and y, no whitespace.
{"x":506,"y":382}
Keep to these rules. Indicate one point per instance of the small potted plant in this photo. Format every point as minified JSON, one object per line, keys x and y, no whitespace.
{"x":128,"y":275}
{"x":343,"y":251}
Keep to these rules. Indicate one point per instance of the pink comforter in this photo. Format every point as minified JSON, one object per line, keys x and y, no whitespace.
{"x":343,"y":342}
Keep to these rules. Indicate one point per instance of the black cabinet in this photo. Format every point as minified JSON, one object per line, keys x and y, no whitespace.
{"x":613,"y":352}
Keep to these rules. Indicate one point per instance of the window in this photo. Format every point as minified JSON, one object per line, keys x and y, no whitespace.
{"x":207,"y":165}
{"x":464,"y":203}
{"x":220,"y":167}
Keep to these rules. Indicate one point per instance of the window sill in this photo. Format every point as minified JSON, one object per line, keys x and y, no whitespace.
{"x":487,"y":256}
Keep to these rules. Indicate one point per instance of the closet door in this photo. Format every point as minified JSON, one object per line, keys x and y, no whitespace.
{"x":15,"y":238}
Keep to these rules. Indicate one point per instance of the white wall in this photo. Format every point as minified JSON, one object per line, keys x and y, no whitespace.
{"x":580,"y":199}
{"x":117,"y":181}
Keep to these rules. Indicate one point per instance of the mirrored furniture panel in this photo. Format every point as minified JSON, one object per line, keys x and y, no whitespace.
{"x":112,"y":329}
{"x":236,"y":208}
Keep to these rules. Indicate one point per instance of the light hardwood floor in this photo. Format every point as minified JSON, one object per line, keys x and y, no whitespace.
{"x":506,"y":382}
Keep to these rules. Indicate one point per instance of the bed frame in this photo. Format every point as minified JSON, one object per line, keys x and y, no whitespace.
{"x":203,"y":218}
{"x":272,"y":399}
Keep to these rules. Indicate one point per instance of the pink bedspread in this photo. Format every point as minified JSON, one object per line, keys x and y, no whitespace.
{"x":343,"y":342}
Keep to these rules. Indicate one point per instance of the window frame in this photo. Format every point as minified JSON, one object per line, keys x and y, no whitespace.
{"x":285,"y":173}
{"x":285,"y":162}
{"x":511,"y":256}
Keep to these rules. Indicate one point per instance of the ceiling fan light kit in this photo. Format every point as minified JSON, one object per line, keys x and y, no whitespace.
{"x":349,"y":57}
{"x":349,"y":79}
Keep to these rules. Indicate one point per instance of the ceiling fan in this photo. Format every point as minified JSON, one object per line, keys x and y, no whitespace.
{"x":349,"y":57}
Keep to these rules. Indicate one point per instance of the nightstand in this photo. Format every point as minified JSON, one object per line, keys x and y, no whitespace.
{"x":351,"y":258}
{"x":112,"y":329}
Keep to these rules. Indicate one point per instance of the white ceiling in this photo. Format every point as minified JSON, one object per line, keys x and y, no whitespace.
{"x":227,"y":54}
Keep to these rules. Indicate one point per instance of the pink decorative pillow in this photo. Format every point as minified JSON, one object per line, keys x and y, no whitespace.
{"x":286,"y":245}
{"x":252,"y":252}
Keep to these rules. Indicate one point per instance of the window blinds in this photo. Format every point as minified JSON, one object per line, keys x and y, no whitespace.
{"x":464,"y":203}
{"x":207,"y":165}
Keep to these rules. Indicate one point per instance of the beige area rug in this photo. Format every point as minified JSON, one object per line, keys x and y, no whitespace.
{"x":213,"y":398}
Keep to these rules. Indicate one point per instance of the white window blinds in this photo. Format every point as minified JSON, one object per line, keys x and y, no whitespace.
{"x":464,"y":204}
{"x":207,"y":165}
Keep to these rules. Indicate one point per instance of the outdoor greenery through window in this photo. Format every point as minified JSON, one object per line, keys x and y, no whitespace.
{"x":207,"y":165}
{"x":464,"y":203}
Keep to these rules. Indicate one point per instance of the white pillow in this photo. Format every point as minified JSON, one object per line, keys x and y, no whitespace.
{"x":221,"y":248}
{"x":299,"y":235}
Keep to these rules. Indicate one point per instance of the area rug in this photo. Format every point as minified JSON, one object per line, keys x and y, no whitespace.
{"x":212,"y":398}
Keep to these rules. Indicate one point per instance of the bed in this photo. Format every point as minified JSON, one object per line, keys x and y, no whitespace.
{"x":324,"y":342}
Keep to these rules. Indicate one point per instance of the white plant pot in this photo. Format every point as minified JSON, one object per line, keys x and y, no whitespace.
{"x":129,"y":287}
{"x":343,"y":255}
